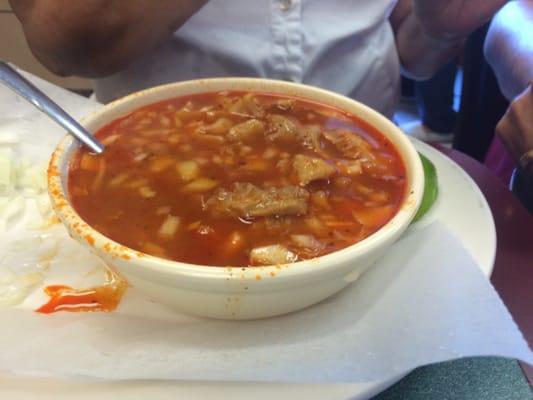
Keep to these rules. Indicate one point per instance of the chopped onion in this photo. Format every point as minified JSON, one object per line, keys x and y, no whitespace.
{"x":188,"y":170}
{"x":194,"y":225}
{"x":163,"y":210}
{"x":33,"y":177}
{"x":140,"y":157}
{"x":25,"y":243}
{"x":6,"y":169}
{"x":15,"y":292}
{"x":272,"y":255}
{"x":4,"y":201}
{"x":118,"y":179}
{"x":110,"y":139}
{"x":308,"y":243}
{"x":13,"y":211}
{"x":6,"y":276}
{"x":146,"y":191}
{"x":20,"y":182}
{"x":43,"y":205}
{"x":200,"y":185}
{"x":48,"y":249}
{"x":29,"y":192}
{"x":9,"y":138}
{"x":169,"y":227}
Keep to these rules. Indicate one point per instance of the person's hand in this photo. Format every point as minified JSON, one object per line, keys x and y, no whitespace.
{"x":516,"y":130}
{"x":96,"y":38}
{"x":455,"y":19}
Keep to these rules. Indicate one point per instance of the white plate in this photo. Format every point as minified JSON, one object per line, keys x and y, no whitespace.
{"x":461,"y":207}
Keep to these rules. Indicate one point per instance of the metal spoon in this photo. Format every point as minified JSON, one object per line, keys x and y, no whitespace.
{"x":20,"y":85}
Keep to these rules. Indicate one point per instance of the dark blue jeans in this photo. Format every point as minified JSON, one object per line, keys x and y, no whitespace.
{"x":434,"y":99}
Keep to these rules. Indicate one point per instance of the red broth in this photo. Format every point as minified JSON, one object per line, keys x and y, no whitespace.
{"x":238,"y":179}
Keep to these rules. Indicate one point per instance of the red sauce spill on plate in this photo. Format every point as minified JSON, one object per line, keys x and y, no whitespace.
{"x":101,"y":298}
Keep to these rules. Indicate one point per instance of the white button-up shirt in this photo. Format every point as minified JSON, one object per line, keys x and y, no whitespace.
{"x":342,"y":45}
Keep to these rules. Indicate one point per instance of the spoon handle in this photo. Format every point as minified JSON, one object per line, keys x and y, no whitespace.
{"x":27,"y":90}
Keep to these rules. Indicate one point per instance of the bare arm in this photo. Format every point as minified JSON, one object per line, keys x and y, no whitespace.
{"x":509,"y":50}
{"x":420,"y":54}
{"x":509,"y":47}
{"x":429,"y":33}
{"x":98,"y":37}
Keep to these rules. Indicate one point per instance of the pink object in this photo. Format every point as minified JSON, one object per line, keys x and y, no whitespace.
{"x":499,"y":161}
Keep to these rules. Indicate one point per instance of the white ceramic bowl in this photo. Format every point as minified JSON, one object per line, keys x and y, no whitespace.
{"x":237,"y":293}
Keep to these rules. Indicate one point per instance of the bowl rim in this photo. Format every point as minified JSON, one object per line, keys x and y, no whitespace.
{"x":89,"y":236}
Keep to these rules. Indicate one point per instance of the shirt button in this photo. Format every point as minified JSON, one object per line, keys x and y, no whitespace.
{"x":284,"y":5}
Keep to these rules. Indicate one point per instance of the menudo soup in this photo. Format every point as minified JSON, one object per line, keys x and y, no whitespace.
{"x":237,"y":179}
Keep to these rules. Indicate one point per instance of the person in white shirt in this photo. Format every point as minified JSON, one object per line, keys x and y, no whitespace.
{"x":354,"y":47}
{"x":509,"y":51}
